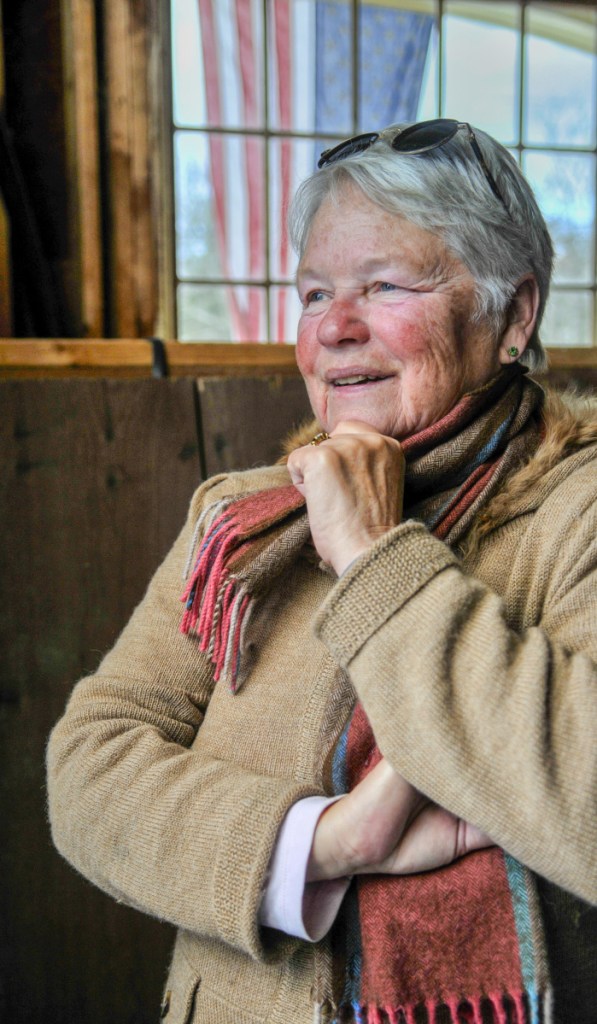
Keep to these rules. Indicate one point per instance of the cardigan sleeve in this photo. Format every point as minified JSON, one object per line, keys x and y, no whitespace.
{"x":493,"y":720}
{"x":137,"y":806}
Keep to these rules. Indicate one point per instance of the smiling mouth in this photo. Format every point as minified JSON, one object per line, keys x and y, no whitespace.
{"x":357,"y":378}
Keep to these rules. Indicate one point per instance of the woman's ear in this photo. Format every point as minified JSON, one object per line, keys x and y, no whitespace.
{"x":520,"y":324}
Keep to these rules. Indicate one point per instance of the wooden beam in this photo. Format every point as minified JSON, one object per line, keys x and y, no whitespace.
{"x":60,"y":357}
{"x":26,"y":358}
{"x":132,"y":242}
{"x":82,"y":145}
{"x":6,"y":325}
{"x":572,"y":358}
{"x":162,"y":156}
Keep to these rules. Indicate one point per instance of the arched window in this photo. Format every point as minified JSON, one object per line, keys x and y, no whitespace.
{"x":260,"y":87}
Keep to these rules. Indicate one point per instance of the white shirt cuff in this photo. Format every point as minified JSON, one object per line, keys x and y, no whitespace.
{"x":306,"y":910}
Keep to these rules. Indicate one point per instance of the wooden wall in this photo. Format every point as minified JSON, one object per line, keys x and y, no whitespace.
{"x":95,"y":478}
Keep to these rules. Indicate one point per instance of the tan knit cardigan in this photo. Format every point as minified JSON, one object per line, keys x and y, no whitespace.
{"x":478,"y":673}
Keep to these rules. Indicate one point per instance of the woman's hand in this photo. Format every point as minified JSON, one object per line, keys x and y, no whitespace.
{"x":353,"y":485}
{"x":385,"y":826}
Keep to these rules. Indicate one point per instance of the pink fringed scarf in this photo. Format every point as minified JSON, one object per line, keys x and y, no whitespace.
{"x":453,"y":468}
{"x":464,"y":943}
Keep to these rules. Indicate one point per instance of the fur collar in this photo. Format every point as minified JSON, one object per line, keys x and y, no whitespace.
{"x":569,"y":427}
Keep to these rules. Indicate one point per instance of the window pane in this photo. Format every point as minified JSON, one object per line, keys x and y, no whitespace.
{"x":394,"y":45}
{"x":301,"y":97}
{"x":187,"y":64}
{"x":560,"y":67}
{"x":290,"y":161}
{"x":221,"y":313}
{"x":220,"y":204}
{"x":291,"y":56}
{"x":568,"y":319}
{"x":285,"y":310}
{"x":311,"y":63}
{"x":564,"y":184}
{"x":197,"y":253}
{"x":429,"y":96}
{"x":480,"y":67}
{"x":218,"y":63}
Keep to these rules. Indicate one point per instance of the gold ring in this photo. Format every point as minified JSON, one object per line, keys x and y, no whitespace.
{"x":321,"y":436}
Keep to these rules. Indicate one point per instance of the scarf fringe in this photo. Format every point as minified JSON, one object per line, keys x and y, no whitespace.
{"x":219,"y":598}
{"x":501,"y":1008}
{"x":217,"y":607}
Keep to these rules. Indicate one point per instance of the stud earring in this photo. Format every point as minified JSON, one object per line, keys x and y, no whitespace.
{"x":513,"y":352}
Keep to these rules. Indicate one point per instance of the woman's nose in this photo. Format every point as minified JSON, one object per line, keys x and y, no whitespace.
{"x":343,"y":321}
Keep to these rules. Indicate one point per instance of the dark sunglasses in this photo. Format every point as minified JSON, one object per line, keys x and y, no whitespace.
{"x":417,"y":138}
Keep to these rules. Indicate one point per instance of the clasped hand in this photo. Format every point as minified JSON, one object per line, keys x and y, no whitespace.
{"x":353,"y":485}
{"x":385,"y":826}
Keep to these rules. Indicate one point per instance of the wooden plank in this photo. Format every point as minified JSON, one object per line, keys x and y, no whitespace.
{"x":162,"y":158}
{"x":82,"y":142}
{"x":142,"y":167}
{"x":97,"y":477}
{"x":133,"y":269}
{"x":568,"y":358}
{"x":121,"y":298}
{"x":245,"y":421}
{"x":6,"y":324}
{"x":24,"y":358}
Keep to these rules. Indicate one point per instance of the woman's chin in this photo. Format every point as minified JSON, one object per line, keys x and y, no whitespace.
{"x":378,"y":419}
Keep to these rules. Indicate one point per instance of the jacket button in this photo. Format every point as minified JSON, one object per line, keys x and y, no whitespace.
{"x":165,"y":1007}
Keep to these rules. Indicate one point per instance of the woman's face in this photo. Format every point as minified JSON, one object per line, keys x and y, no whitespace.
{"x":386,"y":335}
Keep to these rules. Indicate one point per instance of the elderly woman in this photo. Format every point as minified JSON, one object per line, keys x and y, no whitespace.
{"x":357,"y":768}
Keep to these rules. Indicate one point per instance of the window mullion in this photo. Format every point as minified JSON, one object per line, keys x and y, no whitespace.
{"x":355,"y":67}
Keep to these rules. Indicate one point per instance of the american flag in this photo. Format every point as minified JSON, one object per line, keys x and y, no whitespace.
{"x":309,"y":51}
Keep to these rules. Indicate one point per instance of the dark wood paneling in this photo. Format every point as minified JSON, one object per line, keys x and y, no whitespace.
{"x":95,"y":480}
{"x":95,"y":483}
{"x":244,"y":421}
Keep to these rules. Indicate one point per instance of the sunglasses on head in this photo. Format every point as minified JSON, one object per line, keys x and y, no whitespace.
{"x":414,"y":140}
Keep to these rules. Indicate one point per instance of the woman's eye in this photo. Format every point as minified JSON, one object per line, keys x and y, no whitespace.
{"x":314,"y":296}
{"x":386,"y":286}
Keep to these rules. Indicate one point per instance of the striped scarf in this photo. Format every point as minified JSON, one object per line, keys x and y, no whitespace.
{"x":462,"y":943}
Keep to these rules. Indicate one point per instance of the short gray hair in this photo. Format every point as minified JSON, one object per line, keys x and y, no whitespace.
{"x":445,"y":191}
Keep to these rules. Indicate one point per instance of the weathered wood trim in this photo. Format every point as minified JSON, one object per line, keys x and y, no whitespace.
{"x":82,"y":138}
{"x":6,"y":325}
{"x":572,"y":358}
{"x":132,"y":242}
{"x":25,"y":358}
{"x":162,"y":174}
{"x":60,"y":357}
